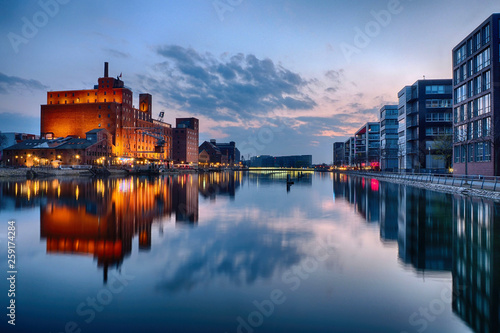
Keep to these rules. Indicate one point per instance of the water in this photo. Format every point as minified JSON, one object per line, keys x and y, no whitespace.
{"x":239,"y":252}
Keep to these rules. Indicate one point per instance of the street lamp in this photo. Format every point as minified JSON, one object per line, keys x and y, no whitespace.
{"x":429,"y":158}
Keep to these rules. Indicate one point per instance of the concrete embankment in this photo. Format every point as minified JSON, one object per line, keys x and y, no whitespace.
{"x":429,"y":183}
{"x":48,"y":172}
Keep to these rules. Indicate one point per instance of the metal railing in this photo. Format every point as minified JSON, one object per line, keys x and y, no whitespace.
{"x":491,"y":183}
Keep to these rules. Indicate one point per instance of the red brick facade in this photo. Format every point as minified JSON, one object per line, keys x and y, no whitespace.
{"x":110,"y":106}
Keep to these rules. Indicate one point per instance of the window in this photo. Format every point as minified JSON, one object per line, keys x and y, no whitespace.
{"x":486,"y":34}
{"x":478,"y":84}
{"x":477,"y":39}
{"x":487,"y":151}
{"x":487,"y":80}
{"x":433,"y":117}
{"x":456,"y":76}
{"x":438,"y":103}
{"x":457,"y":154}
{"x":435,"y":90}
{"x":471,"y":153}
{"x":487,"y":126}
{"x":482,"y":60}
{"x":486,"y":103}
{"x":462,"y":155}
{"x":470,"y":88}
{"x":460,"y":93}
{"x":432,"y":131}
{"x":479,"y":151}
{"x":460,"y":54}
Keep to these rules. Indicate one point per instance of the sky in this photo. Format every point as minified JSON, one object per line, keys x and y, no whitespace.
{"x":281,"y":77}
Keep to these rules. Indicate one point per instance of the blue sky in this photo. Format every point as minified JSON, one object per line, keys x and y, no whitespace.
{"x":278,"y":77}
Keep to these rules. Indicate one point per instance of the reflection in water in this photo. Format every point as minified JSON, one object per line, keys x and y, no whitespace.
{"x":476,"y":263}
{"x":101,"y":217}
{"x":215,"y":184}
{"x":362,"y":193}
{"x":434,"y":237}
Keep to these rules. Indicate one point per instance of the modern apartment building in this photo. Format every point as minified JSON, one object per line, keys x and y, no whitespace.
{"x":389,"y":137}
{"x":424,"y":120}
{"x":349,"y":151}
{"x":476,"y":97}
{"x":367,"y":146}
{"x":338,"y":154}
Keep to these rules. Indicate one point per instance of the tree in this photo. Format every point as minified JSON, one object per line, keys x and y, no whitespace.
{"x":443,"y":147}
{"x":3,"y":140}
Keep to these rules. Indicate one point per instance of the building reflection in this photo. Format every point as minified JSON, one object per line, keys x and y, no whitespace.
{"x":425,"y":229}
{"x":361,"y":192}
{"x":419,"y":220}
{"x":101,"y":217}
{"x":213,"y":184}
{"x":389,"y":212}
{"x":476,"y":263}
{"x":439,"y":232}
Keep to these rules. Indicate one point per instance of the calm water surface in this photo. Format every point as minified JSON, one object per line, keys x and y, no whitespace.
{"x":239,"y":252}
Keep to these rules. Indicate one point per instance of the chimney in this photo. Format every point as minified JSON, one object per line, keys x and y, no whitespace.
{"x":106,"y":69}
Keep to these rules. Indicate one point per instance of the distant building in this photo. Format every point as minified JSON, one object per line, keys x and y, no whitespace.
{"x":424,"y":115}
{"x":211,"y":155}
{"x":339,"y":154}
{"x":367,"y":146}
{"x":262,"y":161}
{"x":229,"y":149}
{"x":95,"y":149}
{"x":185,"y":141}
{"x":389,"y":137}
{"x":296,"y":161}
{"x":8,"y":139}
{"x":476,"y":80}
{"x":349,"y":151}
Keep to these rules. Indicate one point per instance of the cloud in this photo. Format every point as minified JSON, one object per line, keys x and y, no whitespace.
{"x":117,"y":53}
{"x":227,"y":87}
{"x":254,"y":252}
{"x":9,"y":83}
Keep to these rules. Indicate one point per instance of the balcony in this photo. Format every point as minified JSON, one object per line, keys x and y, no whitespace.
{"x":412,"y":123}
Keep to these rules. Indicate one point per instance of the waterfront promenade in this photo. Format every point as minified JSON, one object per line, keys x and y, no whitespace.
{"x":472,"y":185}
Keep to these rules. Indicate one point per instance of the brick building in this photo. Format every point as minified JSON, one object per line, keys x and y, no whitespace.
{"x":185,"y":141}
{"x":95,"y":149}
{"x":210,"y":154}
{"x":109,"y":105}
